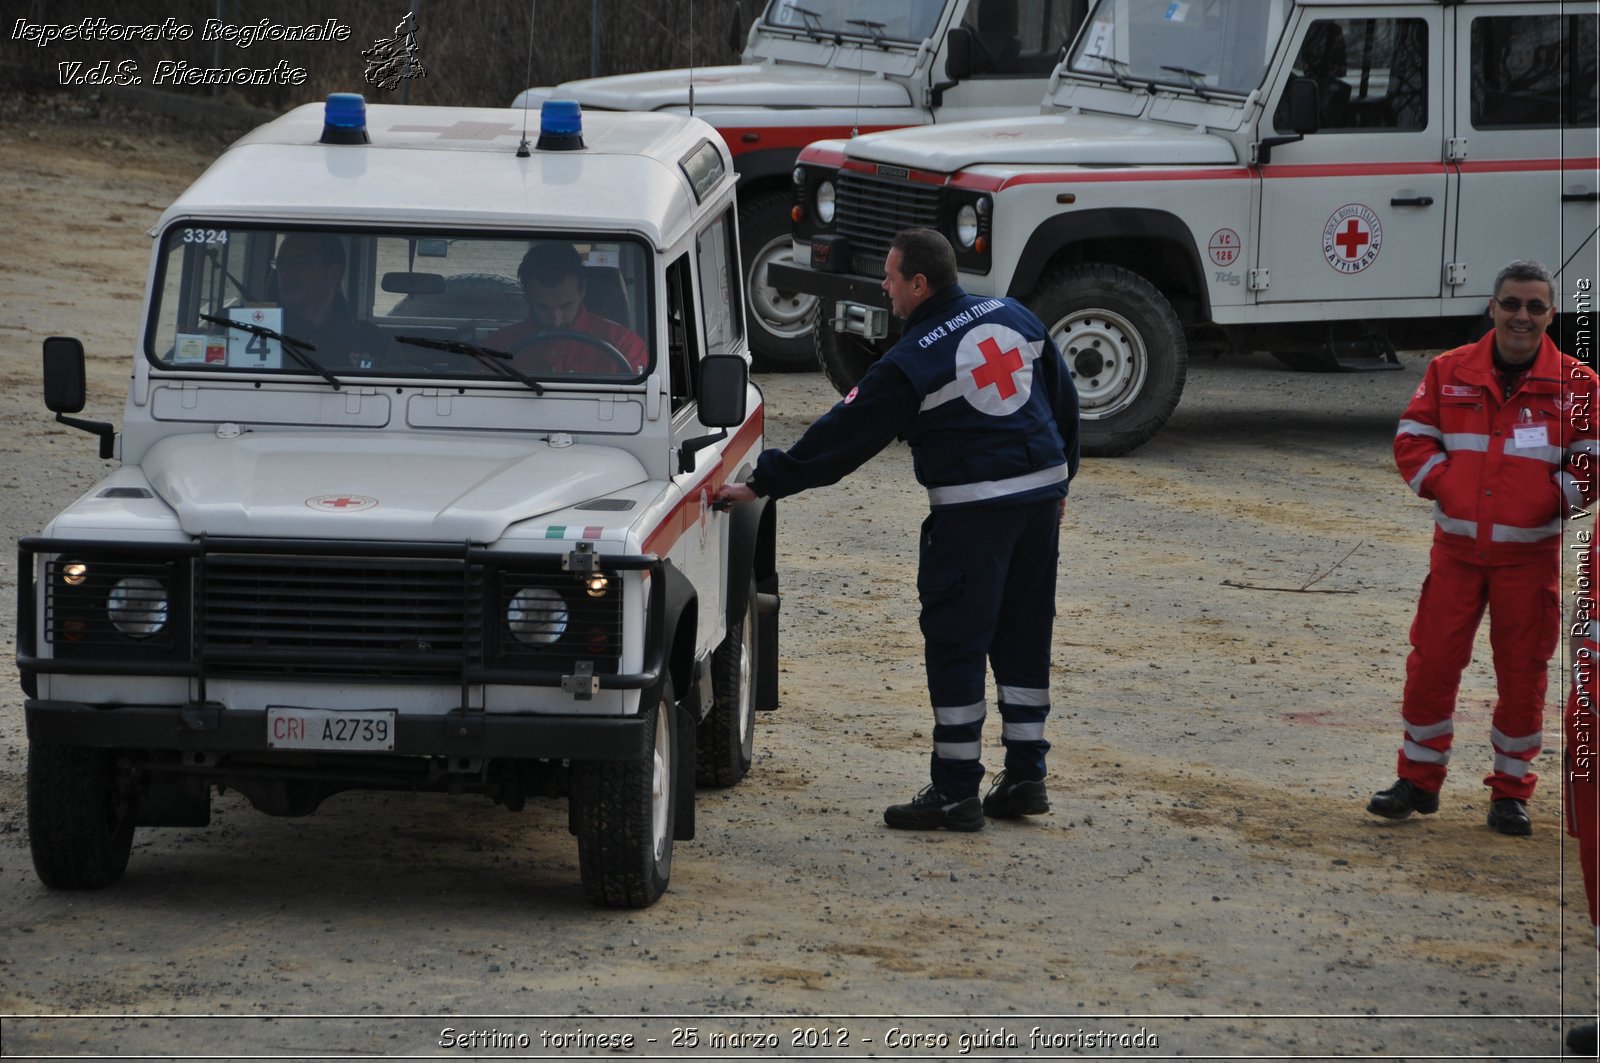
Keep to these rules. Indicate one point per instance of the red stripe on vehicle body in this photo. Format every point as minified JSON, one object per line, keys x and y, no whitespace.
{"x":686,"y":514}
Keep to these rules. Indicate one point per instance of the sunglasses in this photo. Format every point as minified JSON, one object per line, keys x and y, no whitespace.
{"x":1511,"y":304}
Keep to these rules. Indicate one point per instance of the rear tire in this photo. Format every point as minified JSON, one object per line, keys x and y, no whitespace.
{"x":623,"y":815}
{"x":725,"y":742}
{"x":1124,"y":348}
{"x":779,"y":320}
{"x":80,"y":816}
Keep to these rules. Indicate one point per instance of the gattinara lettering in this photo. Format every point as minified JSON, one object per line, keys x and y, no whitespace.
{"x":961,"y":320}
{"x":176,"y":72}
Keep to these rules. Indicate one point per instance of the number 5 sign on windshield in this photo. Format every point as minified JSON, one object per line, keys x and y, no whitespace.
{"x":249,"y":351}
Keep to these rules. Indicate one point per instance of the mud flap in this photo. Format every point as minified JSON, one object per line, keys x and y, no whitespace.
{"x":767,"y":644}
{"x":683,"y":774}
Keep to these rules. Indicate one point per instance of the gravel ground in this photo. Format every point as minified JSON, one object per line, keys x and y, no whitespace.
{"x":1207,"y":879}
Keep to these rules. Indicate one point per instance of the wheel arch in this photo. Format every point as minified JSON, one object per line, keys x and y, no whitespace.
{"x":678,"y":627}
{"x":753,"y":548}
{"x":1155,"y":244}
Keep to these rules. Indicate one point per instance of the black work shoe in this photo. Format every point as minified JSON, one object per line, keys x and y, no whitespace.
{"x":1580,"y":1040}
{"x":932,"y":810}
{"x":1402,"y":799}
{"x":1008,"y":800}
{"x":1509,"y":816}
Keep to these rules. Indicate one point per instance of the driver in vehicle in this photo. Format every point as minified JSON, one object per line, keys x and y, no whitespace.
{"x":310,"y":268}
{"x":552,"y":338}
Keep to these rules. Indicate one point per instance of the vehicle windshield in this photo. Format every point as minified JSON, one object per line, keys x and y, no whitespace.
{"x":342,"y":303}
{"x":896,"y":20}
{"x":1207,"y":46}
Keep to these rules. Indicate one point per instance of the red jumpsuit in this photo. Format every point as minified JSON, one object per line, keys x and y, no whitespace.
{"x":1503,"y":472}
{"x":1583,"y":785}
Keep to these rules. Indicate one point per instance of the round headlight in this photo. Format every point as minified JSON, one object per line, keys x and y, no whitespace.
{"x":825,"y":202}
{"x":967,"y":225}
{"x":137,"y":606}
{"x":537,"y":616}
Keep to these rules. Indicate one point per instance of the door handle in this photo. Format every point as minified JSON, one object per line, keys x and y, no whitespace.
{"x":1580,"y":197}
{"x":1411,"y":201}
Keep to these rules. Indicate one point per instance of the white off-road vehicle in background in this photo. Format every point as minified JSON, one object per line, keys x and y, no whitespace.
{"x":815,"y":69}
{"x":429,"y":563}
{"x":1323,"y":179}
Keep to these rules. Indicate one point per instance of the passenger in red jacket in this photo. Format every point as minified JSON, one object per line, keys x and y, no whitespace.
{"x":1500,"y":435}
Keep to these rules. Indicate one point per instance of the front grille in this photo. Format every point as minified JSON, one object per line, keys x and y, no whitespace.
{"x":870,"y":210}
{"x":339,"y":616}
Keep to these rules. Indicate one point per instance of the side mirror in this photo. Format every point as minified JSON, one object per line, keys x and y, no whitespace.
{"x":724,"y":382}
{"x":65,"y":385}
{"x":958,"y":54}
{"x":66,"y":389}
{"x":736,"y":30}
{"x":1303,"y":106}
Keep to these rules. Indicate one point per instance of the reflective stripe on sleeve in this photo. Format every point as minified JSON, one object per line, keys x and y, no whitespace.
{"x":1417,"y":428}
{"x":1422,"y":474}
{"x":1570,"y":489}
{"x":990,"y":489}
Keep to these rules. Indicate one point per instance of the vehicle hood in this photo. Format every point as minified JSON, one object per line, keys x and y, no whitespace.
{"x":785,"y":85}
{"x":378,"y":486}
{"x":1043,"y":140}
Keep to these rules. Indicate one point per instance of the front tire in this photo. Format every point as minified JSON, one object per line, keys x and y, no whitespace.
{"x":726,"y":738}
{"x":1124,"y":347}
{"x":80,"y":816}
{"x":843,"y":356}
{"x":779,"y":320}
{"x":623,"y":815}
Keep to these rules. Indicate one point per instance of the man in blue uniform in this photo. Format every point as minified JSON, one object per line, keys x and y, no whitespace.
{"x":984,"y":399}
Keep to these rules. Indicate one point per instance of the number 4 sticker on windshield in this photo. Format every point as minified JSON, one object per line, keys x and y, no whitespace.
{"x":249,"y":351}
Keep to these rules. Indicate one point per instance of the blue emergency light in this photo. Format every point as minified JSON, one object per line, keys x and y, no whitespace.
{"x":344,"y":119}
{"x":560,"y":125}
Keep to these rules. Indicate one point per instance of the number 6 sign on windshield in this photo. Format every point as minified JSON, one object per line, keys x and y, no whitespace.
{"x":248,"y":351}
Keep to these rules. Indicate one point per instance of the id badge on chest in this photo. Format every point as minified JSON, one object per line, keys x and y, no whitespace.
{"x":1526,"y":435}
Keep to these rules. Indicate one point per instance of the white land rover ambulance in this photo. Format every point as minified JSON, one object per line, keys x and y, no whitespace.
{"x":375,"y":549}
{"x":1319,"y":178}
{"x":829,"y":68}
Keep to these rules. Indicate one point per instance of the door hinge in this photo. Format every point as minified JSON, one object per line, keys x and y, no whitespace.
{"x":1259,"y":280}
{"x":1455,"y":149}
{"x":1455,"y":274}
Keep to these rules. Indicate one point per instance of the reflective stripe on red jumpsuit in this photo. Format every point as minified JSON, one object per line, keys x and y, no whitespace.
{"x":1502,"y":474}
{"x":1583,"y":788}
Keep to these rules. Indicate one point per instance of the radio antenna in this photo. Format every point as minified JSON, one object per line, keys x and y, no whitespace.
{"x":527,"y":79}
{"x":691,"y":58}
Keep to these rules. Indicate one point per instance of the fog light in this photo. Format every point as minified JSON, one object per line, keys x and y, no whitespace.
{"x":74,"y":574}
{"x":597,"y":585}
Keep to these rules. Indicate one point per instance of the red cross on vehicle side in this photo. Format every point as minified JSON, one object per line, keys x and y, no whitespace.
{"x":1353,"y":239}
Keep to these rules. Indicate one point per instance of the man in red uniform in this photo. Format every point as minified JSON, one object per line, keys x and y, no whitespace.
{"x":1501,"y":436}
{"x":1583,"y":786}
{"x":551,"y":339}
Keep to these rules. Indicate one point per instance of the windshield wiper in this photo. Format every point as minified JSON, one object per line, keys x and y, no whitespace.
{"x":813,"y":26}
{"x":1118,"y":67}
{"x":874,"y":29}
{"x":1194,"y":77}
{"x":297,"y":348}
{"x":485,"y":356}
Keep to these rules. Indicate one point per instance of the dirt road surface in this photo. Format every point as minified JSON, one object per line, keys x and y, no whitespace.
{"x":1207,"y":880}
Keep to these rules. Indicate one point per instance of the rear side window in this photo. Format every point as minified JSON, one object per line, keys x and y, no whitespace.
{"x":1534,"y":71}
